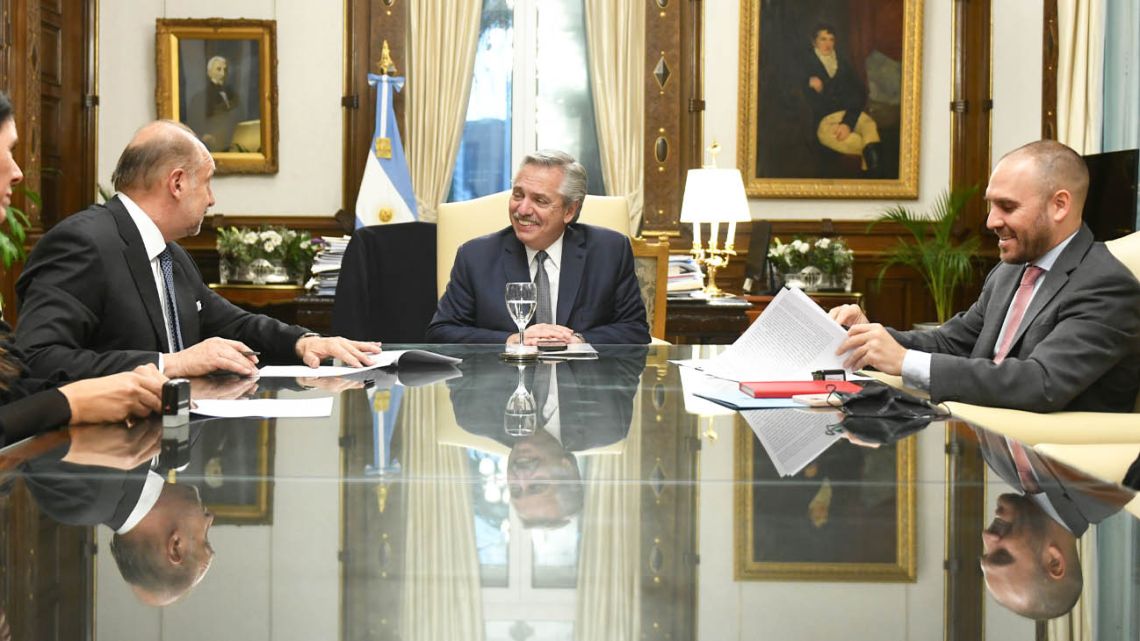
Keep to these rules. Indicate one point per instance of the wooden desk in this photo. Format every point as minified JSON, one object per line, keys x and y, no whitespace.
{"x":696,"y":322}
{"x":287,"y":303}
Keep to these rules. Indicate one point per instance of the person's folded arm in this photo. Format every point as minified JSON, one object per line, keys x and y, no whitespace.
{"x":627,"y":324}
{"x":454,"y":319}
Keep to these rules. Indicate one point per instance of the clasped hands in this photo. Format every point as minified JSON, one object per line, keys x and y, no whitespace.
{"x":221,"y":354}
{"x":545,"y":332}
{"x":868,"y":343}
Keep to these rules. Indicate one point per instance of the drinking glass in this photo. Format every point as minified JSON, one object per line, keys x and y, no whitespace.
{"x":519,"y":416}
{"x":522,"y":299}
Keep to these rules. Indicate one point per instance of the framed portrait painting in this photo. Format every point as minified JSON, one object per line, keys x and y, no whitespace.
{"x":847,"y":515}
{"x":219,"y":78}
{"x":231,"y":463}
{"x":830,"y":98}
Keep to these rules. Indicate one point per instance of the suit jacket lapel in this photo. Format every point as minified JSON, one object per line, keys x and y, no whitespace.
{"x":570,"y":272}
{"x":996,"y":309}
{"x":515,"y":268}
{"x":134,"y":253}
{"x":187,"y":305}
{"x":1055,"y":279}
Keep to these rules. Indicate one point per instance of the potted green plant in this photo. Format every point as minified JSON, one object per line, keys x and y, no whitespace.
{"x":14,"y":231}
{"x":943,"y":262}
{"x":268,"y":255}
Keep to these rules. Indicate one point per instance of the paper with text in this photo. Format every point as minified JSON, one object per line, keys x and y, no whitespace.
{"x":386,"y":358}
{"x":790,"y":340}
{"x":265,"y":408}
{"x":793,"y":438}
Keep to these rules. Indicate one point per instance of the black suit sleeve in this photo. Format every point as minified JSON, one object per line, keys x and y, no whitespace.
{"x":61,"y":306}
{"x":628,"y":324}
{"x":454,"y":320}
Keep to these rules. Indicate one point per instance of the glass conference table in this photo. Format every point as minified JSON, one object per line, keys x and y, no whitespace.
{"x":435,"y":503}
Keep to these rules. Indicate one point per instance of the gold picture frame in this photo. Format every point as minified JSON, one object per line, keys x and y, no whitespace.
{"x":219,"y":77}
{"x":790,"y":142}
{"x":863,"y":538}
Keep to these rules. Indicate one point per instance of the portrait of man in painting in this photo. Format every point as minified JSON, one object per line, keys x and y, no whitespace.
{"x":829,"y":94}
{"x":218,"y":83}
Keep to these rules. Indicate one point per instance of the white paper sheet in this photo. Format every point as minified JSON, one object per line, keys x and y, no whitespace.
{"x":386,"y":358}
{"x":793,"y":438}
{"x":790,"y":340}
{"x":265,"y":408}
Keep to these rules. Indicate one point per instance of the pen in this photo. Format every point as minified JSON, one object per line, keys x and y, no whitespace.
{"x":250,"y":353}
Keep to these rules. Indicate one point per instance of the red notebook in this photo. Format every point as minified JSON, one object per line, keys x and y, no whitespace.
{"x":788,"y":389}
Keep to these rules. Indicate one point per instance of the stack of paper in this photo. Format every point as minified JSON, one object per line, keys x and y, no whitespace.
{"x":794,"y":438}
{"x":684,"y":275}
{"x":326,"y":265}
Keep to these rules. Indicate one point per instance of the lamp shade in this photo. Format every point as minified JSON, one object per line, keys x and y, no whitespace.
{"x":714,"y":196}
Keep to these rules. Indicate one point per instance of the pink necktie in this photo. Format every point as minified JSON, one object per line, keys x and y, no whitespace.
{"x":1024,"y":468}
{"x":1017,"y":311}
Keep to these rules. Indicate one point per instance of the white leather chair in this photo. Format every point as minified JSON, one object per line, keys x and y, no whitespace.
{"x":1127,"y":251}
{"x":1108,"y":461}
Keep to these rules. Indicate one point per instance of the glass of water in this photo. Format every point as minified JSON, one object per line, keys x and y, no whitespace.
{"x":519,"y":416}
{"x":522,"y":298}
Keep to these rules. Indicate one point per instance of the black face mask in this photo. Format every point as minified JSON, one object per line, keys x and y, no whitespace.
{"x":882,"y":414}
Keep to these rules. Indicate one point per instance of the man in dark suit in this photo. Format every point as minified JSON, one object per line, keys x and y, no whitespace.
{"x":109,"y":289}
{"x":103,"y":476}
{"x":1030,"y":562}
{"x":578,"y":406}
{"x":1058,"y":324}
{"x":587,"y":272}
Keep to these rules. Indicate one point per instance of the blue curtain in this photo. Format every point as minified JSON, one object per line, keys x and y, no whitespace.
{"x":1122,"y":77}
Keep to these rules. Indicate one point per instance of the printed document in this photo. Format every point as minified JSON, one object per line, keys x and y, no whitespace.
{"x":790,"y":340}
{"x":265,"y":408}
{"x":386,"y":358}
{"x":793,"y":438}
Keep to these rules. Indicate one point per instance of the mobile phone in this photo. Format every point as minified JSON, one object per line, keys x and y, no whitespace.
{"x":551,"y":346}
{"x":175,"y":402}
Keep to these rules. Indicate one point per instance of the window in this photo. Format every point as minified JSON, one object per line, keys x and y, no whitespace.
{"x":531,"y":90}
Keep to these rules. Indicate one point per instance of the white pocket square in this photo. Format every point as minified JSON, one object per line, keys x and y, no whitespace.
{"x":199,"y":304}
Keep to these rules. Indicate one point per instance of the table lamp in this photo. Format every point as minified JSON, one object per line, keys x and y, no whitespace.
{"x":714,"y":196}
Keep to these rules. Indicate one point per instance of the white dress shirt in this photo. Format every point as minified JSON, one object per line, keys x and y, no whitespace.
{"x":553,"y":264}
{"x":154,"y":245}
{"x":152,"y":488}
{"x":916,"y":364}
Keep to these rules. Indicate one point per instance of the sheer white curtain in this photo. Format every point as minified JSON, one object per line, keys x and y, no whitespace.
{"x":1080,"y":73}
{"x":442,"y":598}
{"x":442,"y":35}
{"x":609,"y":586}
{"x":615,"y":39}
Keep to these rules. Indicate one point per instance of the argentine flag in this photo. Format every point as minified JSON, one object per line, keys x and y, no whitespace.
{"x":386,"y":194}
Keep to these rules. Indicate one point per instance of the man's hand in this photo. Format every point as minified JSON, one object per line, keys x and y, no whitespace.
{"x":815,"y":83}
{"x":848,"y":315}
{"x":211,"y":355}
{"x":872,"y":344}
{"x":114,"y":398}
{"x":312,"y":349}
{"x":223,"y":388}
{"x":334,"y":384}
{"x":544,"y":332}
{"x":841,"y":132}
{"x":113,"y":445}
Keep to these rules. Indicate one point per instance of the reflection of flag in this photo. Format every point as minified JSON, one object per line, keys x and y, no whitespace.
{"x":386,"y":194}
{"x":385,"y":406}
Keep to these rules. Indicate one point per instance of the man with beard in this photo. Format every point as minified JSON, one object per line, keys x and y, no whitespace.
{"x":1058,"y":324}
{"x":1030,"y":560}
{"x":109,"y":289}
{"x":587,"y":288}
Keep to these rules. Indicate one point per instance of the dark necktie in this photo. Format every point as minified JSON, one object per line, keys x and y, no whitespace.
{"x":167,"y":265}
{"x":542,"y":289}
{"x":1017,"y":310}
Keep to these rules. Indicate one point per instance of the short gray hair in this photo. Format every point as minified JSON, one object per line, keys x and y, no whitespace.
{"x":211,"y":61}
{"x":574,"y":180}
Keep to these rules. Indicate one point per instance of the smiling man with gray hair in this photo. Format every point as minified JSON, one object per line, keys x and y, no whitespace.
{"x":588,"y":291}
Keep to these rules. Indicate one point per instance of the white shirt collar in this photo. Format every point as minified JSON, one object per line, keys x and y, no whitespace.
{"x":1046,"y":262}
{"x":151,"y":237}
{"x":554,"y":252}
{"x":152,"y":489}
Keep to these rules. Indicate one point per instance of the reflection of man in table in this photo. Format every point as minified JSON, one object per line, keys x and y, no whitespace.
{"x":837,"y":97}
{"x":580,"y":406}
{"x":1030,"y":562}
{"x":103,"y":476}
{"x":213,"y":112}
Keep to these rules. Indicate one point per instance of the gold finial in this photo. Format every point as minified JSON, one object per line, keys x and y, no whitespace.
{"x":386,"y":65}
{"x":713,"y":152}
